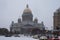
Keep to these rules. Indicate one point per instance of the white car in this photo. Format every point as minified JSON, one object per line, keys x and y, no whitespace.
{"x":35,"y":36}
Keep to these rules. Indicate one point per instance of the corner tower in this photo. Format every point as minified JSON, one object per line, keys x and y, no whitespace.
{"x":27,"y":14}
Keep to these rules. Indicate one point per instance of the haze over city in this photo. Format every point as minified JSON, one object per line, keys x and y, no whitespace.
{"x":11,"y":10}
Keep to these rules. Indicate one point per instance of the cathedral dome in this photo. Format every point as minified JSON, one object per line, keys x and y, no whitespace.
{"x":27,"y":14}
{"x":27,"y":10}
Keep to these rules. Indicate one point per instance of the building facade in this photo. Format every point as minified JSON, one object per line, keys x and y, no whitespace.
{"x":27,"y":25}
{"x":56,"y":19}
{"x":56,"y":22}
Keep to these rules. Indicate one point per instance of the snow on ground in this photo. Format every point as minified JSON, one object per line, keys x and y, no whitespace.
{"x":17,"y":38}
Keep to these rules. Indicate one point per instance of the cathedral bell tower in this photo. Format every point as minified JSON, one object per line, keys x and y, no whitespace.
{"x":27,"y":14}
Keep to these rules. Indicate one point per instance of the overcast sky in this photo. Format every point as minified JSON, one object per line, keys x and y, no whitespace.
{"x":11,"y":10}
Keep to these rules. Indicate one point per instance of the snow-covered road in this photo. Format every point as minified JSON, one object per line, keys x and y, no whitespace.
{"x":17,"y":38}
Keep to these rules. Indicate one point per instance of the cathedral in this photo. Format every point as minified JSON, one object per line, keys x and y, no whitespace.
{"x":27,"y":25}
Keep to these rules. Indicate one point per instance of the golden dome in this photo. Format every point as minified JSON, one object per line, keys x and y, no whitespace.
{"x":27,"y":10}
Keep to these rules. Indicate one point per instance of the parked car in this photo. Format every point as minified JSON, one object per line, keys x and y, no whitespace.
{"x":35,"y":36}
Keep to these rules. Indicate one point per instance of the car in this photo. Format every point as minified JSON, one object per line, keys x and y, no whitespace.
{"x":35,"y":36}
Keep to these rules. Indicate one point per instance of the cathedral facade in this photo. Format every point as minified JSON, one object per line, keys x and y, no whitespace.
{"x":27,"y":25}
